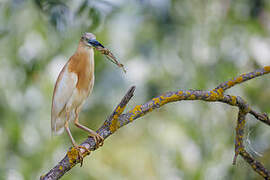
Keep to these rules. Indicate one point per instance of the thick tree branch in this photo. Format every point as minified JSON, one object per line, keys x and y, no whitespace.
{"x":117,"y":120}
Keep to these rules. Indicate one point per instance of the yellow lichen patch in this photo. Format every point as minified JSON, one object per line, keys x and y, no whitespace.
{"x":258,"y":73}
{"x":114,"y":125}
{"x":213,"y":96}
{"x":192,"y":97}
{"x":156,"y":101}
{"x":150,"y":109}
{"x":60,"y":168}
{"x":135,"y":111}
{"x":267,"y":68}
{"x":115,"y":116}
{"x":131,"y":118}
{"x":262,"y":173}
{"x":164,"y":101}
{"x":230,"y":83}
{"x":233,"y":100}
{"x":171,"y":98}
{"x":239,"y":79}
{"x":72,"y":156}
{"x":174,"y":97}
{"x":220,"y":91}
{"x":119,"y":109}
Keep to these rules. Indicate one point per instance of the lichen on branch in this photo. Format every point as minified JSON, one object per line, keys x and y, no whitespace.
{"x":118,"y":119}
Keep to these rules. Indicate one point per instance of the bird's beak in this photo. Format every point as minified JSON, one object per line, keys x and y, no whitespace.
{"x":99,"y":47}
{"x":95,"y":43}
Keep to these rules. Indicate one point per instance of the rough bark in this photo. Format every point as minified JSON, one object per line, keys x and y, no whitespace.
{"x":117,"y":119}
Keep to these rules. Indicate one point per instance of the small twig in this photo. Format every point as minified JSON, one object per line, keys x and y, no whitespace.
{"x":261,"y":116}
{"x":111,"y":124}
{"x":243,"y":77}
{"x":255,"y":165}
{"x":241,"y":121}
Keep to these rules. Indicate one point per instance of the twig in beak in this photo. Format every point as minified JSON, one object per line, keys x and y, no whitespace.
{"x":110,"y":57}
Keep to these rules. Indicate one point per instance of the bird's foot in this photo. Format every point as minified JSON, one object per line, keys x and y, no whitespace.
{"x":98,"y":139}
{"x":80,"y":154}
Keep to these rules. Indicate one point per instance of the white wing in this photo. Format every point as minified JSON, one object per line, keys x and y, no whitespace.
{"x":64,"y":87}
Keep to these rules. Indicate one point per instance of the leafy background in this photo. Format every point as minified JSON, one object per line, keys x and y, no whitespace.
{"x":165,"y":45}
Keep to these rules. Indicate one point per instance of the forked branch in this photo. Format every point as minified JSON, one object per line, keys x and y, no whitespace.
{"x":117,"y":119}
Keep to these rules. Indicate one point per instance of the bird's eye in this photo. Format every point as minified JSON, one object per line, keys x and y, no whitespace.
{"x":95,"y":43}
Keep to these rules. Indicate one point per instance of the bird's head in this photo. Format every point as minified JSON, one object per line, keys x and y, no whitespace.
{"x":89,"y":39}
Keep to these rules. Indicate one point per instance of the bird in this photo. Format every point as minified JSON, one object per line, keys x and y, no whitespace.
{"x":73,"y":85}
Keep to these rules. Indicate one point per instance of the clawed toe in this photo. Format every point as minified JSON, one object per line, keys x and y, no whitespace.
{"x":98,"y":139}
{"x":80,"y":155}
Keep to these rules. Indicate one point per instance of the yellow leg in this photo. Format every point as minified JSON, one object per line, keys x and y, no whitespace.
{"x":69,"y":134}
{"x":78,"y":148}
{"x":98,"y":139}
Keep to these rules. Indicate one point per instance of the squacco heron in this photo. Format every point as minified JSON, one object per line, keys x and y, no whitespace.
{"x":74,"y":84}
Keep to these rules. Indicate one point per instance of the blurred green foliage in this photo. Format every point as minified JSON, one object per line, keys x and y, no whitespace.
{"x":166,"y":45}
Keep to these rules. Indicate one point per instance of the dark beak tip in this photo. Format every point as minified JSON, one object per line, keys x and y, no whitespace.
{"x":95,"y":43}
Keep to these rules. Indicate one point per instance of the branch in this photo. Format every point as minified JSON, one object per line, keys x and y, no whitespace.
{"x":117,"y":120}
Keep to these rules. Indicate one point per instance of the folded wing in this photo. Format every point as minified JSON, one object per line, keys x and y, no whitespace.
{"x":63,"y":90}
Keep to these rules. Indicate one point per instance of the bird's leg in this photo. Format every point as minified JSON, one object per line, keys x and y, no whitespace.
{"x":78,"y":148}
{"x":98,"y":139}
{"x":69,"y":134}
